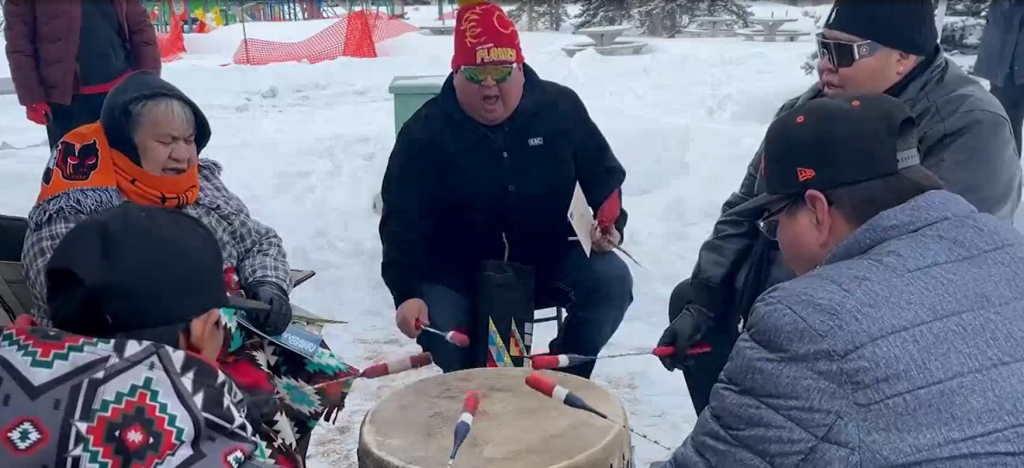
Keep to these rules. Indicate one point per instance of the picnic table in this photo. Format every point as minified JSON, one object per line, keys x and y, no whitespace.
{"x":714,"y":26}
{"x":603,"y":36}
{"x":771,"y":25}
{"x":771,"y":29}
{"x":440,"y":29}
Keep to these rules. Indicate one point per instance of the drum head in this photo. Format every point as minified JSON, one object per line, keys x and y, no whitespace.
{"x":515,"y":426}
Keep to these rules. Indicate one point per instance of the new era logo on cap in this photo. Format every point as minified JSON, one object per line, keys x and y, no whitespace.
{"x":803,"y":174}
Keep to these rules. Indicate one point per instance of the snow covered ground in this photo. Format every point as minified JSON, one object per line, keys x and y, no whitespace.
{"x":306,"y":147}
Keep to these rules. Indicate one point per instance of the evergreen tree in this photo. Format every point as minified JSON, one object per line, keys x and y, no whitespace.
{"x":554,"y":14}
{"x":530,"y":15}
{"x":604,"y":13}
{"x":668,"y":17}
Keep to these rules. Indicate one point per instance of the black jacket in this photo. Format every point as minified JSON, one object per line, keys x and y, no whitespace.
{"x":453,"y":187}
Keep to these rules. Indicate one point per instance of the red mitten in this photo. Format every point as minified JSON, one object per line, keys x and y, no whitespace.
{"x":609,"y":212}
{"x":38,"y":113}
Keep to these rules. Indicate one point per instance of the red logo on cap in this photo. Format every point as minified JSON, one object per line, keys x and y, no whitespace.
{"x":804,"y":174}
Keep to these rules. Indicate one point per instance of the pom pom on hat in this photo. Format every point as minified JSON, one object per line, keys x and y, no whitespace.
{"x":484,"y":35}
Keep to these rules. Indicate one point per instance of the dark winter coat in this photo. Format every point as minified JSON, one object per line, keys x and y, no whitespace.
{"x":454,"y":187}
{"x":42,"y":45}
{"x":964,"y":137}
{"x":1001,"y":54}
{"x":905,"y":348}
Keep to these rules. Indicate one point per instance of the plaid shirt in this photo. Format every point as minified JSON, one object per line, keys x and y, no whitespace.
{"x":251,"y":247}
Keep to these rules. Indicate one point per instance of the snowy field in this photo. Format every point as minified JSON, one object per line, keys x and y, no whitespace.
{"x":306,"y":147}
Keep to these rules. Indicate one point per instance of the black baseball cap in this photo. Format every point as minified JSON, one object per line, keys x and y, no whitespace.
{"x":139,"y":272}
{"x":831,"y":142}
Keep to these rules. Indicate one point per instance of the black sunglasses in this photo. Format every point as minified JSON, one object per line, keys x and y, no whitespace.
{"x":844,"y":54}
{"x":769,"y":223}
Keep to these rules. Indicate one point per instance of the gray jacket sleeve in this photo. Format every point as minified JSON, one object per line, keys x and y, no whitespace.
{"x":776,"y":403}
{"x":974,"y":153}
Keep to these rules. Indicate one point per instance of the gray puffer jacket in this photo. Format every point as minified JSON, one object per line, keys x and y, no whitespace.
{"x":965,"y":139}
{"x":906,"y":348}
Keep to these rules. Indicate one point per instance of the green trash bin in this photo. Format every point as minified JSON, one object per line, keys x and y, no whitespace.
{"x":411,"y":92}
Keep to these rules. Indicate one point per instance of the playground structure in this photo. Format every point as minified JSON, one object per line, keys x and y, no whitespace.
{"x":356,"y":33}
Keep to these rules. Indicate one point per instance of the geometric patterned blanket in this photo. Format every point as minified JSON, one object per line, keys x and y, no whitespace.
{"x":72,"y":401}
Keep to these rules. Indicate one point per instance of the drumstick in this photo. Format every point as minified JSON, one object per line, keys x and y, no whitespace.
{"x":558,"y":361}
{"x":391,"y":367}
{"x":456,"y":338}
{"x":396,"y":366}
{"x":559,"y":393}
{"x":462,"y":428}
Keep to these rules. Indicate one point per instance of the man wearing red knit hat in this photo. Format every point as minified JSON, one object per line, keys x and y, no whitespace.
{"x":483,"y":173}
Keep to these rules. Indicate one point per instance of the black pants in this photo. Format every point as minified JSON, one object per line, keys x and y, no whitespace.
{"x":84,"y":109}
{"x":1012,"y":99}
{"x":702,"y":372}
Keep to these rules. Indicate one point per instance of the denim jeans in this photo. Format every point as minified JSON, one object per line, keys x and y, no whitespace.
{"x":595,"y":291}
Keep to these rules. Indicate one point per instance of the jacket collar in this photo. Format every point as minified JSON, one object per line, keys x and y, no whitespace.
{"x":920,"y":212}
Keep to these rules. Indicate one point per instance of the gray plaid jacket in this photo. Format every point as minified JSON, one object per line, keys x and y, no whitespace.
{"x":251,"y":247}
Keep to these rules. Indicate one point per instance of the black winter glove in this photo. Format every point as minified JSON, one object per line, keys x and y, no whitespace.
{"x":276,"y":320}
{"x":685,"y":331}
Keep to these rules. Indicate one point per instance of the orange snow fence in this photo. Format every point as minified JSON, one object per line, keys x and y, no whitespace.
{"x":172,"y":44}
{"x":354,"y":35}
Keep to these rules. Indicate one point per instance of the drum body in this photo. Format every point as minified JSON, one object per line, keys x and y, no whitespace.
{"x":515,"y":427}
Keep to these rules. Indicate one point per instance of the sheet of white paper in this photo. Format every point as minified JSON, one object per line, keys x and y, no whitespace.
{"x":581,"y":218}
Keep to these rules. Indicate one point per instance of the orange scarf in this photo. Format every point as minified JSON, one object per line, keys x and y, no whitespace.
{"x":83,"y":159}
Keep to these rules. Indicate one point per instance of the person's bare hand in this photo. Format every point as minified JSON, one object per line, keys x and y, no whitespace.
{"x":206,"y":334}
{"x":410,"y":315}
{"x":606,"y":239}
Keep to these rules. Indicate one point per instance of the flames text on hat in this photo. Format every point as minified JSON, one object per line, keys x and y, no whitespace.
{"x":496,"y":54}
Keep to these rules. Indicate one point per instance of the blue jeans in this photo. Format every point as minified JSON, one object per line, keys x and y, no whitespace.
{"x":595,"y":291}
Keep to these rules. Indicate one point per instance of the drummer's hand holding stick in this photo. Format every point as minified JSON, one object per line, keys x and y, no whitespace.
{"x":409,"y":315}
{"x":412,"y":319}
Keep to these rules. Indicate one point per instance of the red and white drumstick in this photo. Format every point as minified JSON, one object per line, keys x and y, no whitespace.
{"x":456,"y":338}
{"x":559,"y":393}
{"x":396,"y":366}
{"x":462,"y":428}
{"x":558,"y":361}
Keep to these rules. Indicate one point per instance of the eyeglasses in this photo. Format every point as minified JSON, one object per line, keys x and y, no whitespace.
{"x":478,"y":75}
{"x":844,"y":54}
{"x":769,"y":223}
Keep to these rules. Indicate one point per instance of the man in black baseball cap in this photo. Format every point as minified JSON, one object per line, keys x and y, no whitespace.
{"x":963,"y":135}
{"x":904,"y":295}
{"x":830,"y":165}
{"x":139,"y":272}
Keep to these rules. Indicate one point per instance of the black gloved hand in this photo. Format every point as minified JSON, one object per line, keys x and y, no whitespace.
{"x":685,"y":331}
{"x":276,"y":320}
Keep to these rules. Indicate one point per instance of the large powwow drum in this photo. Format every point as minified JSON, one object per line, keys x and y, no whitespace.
{"x":515,"y":426}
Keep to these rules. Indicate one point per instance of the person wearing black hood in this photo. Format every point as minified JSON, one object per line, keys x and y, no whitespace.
{"x":145,"y":150}
{"x":965,"y":138}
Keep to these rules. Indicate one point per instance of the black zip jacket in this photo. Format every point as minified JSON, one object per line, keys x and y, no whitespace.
{"x":454,"y":188}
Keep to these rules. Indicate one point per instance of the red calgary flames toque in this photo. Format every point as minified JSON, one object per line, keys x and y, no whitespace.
{"x":484,"y":35}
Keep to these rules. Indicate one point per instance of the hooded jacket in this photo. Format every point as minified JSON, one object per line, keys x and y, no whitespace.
{"x":252,"y":248}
